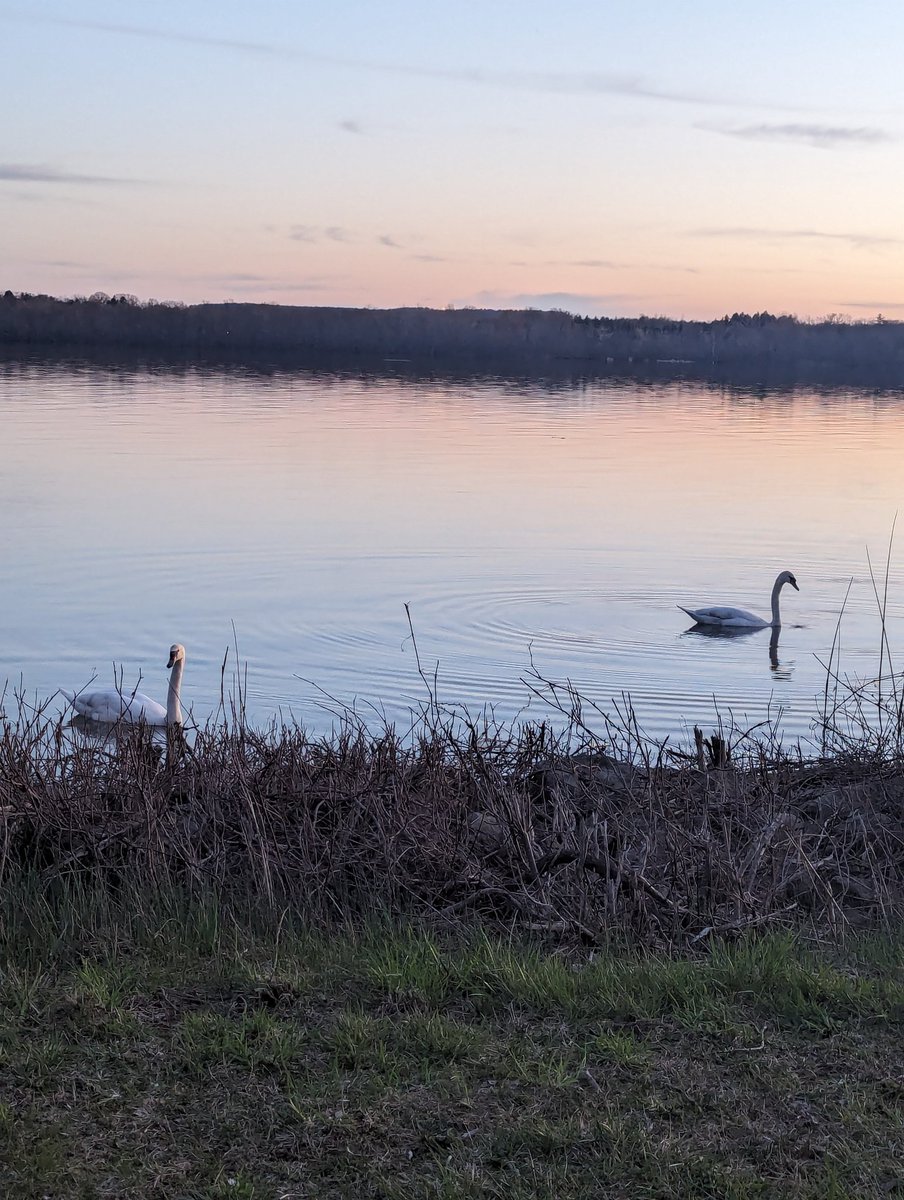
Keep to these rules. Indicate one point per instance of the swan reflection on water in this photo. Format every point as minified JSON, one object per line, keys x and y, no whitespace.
{"x":728,"y":632}
{"x":155,"y":743}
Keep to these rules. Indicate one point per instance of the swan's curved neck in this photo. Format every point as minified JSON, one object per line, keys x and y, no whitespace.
{"x":776,"y":615}
{"x":173,"y":707}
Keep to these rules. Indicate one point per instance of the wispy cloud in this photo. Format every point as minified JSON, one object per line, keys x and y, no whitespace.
{"x":42,"y":173}
{"x":337,"y":233}
{"x":573,"y":83}
{"x":319,"y":233}
{"x":243,"y":281}
{"x":351,"y":126}
{"x":859,"y":241}
{"x":594,"y":263}
{"x":823,"y":137}
{"x":578,"y":83}
{"x":55,"y":198}
{"x":160,"y":35}
{"x":91,"y":276}
{"x":598,"y":264}
{"x":579,"y":302}
{"x":875,"y":305}
{"x":310,"y":285}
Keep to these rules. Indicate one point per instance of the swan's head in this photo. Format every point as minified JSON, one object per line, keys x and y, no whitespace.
{"x":787,"y":577}
{"x":177,"y":653}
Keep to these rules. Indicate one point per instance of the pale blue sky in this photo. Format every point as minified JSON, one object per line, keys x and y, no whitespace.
{"x":685,"y":158}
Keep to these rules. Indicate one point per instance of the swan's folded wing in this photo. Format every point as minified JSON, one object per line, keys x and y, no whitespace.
{"x":110,"y":705}
{"x":722,"y":614}
{"x":143,"y":708}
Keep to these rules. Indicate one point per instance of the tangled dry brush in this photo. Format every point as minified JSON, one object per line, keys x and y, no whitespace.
{"x":457,"y":821}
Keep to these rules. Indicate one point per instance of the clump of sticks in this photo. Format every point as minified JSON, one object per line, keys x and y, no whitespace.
{"x":576,"y":827}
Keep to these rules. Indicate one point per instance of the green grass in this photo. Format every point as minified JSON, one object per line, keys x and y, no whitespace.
{"x":170,"y":1049}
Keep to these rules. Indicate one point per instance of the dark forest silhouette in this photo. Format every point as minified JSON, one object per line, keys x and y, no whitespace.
{"x":743,"y":340}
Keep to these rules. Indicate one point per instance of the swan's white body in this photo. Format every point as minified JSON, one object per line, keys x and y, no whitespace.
{"x":111,"y":705}
{"x":740,"y":618}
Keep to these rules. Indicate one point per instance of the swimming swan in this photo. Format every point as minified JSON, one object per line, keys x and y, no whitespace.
{"x":739,"y":618}
{"x":111,"y":704}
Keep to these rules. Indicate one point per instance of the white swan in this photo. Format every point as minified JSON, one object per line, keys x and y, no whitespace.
{"x":112,"y":704}
{"x":739,"y":618}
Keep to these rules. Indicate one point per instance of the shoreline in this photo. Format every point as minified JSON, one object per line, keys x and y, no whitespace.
{"x":572,"y":832}
{"x":757,"y":348}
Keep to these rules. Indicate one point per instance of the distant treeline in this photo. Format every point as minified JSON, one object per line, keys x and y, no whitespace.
{"x":741,"y":339}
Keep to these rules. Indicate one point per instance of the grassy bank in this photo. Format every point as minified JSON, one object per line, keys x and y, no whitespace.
{"x":168,"y":1048}
{"x":457,"y":960}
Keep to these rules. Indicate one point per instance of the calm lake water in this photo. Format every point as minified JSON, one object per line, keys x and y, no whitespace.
{"x":545,"y":524}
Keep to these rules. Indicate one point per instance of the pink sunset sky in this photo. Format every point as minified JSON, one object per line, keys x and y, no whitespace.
{"x":611,"y":159}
